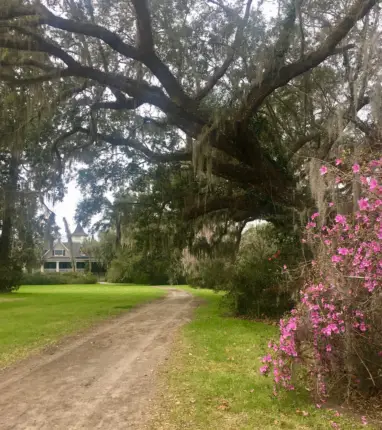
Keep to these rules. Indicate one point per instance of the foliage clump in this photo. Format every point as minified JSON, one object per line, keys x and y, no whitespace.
{"x":334,"y":334}
{"x":256,"y":283}
{"x":10,"y":277}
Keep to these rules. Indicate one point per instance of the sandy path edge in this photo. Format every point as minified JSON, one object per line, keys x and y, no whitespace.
{"x":103,"y":379}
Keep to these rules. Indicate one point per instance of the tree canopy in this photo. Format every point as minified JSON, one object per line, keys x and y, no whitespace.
{"x":188,"y":109}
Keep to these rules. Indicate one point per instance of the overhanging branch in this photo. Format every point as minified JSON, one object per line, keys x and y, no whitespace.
{"x":148,"y":57}
{"x":272,"y":81}
{"x":138,"y":146}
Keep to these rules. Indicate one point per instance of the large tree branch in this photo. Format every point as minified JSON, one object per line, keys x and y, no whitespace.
{"x":239,"y":207}
{"x":220,"y":72}
{"x":148,"y":58}
{"x":299,"y":143}
{"x":272,"y":80}
{"x":145,"y":39}
{"x":35,"y":43}
{"x":139,"y":91}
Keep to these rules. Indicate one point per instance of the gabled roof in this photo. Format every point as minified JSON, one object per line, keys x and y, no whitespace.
{"x":79,"y":231}
{"x":55,"y":243}
{"x":77,"y":249}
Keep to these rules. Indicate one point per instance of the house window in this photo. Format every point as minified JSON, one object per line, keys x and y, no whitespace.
{"x":59,"y":252}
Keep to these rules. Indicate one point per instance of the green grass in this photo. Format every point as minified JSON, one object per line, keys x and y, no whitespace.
{"x":212,"y":380}
{"x":36,"y":316}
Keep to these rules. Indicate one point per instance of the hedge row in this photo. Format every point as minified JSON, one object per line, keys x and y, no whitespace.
{"x":58,"y":278}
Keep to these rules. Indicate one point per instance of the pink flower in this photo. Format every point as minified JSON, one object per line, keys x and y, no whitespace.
{"x":285,"y":267}
{"x":328,"y":348}
{"x":340,"y":219}
{"x":362,"y":327}
{"x":356,"y":168}
{"x":364,"y":420}
{"x":264,"y":369}
{"x":373,"y":184}
{"x":343,"y":251}
{"x":315,"y":215}
{"x":336,"y":259}
{"x":331,"y":328}
{"x":323,"y":170}
{"x":338,"y":161}
{"x":331,"y":204}
{"x":338,"y":180}
{"x":267,"y":359}
{"x":363,"y":204}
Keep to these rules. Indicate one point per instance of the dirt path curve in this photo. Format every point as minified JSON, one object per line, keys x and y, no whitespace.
{"x":100,"y":380}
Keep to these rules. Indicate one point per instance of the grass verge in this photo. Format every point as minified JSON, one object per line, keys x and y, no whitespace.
{"x":36,"y":316}
{"x":212,"y":380}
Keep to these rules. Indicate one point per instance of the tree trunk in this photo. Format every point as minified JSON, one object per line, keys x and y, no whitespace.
{"x":118,"y":232}
{"x":7,"y":268}
{"x":9,"y":208}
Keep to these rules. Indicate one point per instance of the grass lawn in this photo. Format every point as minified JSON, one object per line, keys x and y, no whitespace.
{"x":36,"y":316}
{"x":212,"y":380}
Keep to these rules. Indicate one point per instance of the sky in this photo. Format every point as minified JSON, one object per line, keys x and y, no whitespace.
{"x":67,"y":207}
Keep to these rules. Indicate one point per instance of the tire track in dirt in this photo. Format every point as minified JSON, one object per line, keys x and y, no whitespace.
{"x":105,"y":379}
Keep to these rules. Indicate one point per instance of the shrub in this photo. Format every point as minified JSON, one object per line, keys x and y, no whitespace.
{"x":58,"y":278}
{"x":257,"y":289}
{"x":212,"y":273}
{"x":142,"y":267}
{"x":255,"y":280}
{"x":10,"y":278}
{"x":335,"y":332}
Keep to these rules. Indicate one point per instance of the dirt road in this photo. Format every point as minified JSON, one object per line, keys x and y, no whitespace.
{"x":103,"y":379}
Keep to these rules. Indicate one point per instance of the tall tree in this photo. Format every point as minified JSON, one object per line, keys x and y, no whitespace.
{"x":146,"y":74}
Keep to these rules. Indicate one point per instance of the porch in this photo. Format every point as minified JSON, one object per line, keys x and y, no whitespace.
{"x":63,"y":266}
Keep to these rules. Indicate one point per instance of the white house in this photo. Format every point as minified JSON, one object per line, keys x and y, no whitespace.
{"x":58,"y":259}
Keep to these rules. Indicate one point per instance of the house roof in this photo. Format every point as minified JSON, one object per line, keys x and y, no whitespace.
{"x":76,"y":251}
{"x":79,"y":231}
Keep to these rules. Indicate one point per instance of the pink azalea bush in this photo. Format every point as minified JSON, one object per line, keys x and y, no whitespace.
{"x":334,"y":335}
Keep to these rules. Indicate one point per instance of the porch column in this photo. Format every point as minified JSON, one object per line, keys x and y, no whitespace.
{"x":57,"y":266}
{"x":42,"y":268}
